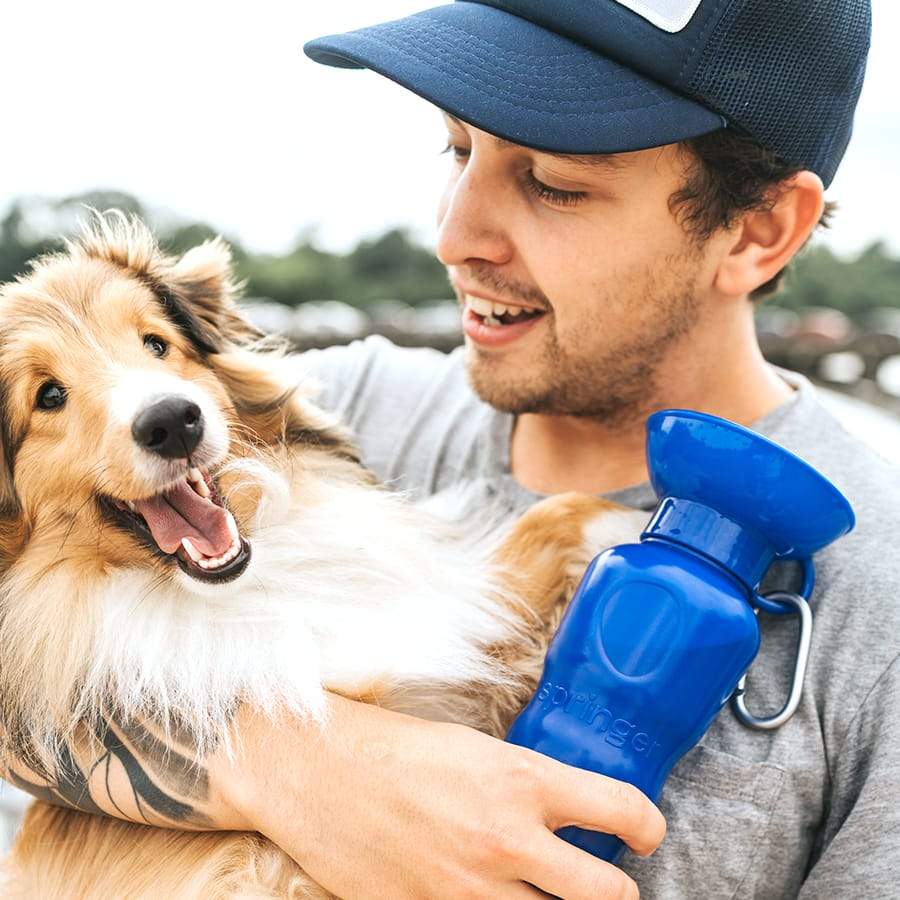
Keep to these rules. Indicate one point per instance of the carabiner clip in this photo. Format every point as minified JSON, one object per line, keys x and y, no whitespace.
{"x":738,"y":702}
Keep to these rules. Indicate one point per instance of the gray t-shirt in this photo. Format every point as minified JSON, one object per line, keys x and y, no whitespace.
{"x":811,"y":810}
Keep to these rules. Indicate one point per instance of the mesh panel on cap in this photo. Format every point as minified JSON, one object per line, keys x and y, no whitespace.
{"x":764,"y":69}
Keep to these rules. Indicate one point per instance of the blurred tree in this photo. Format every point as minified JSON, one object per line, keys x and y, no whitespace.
{"x":854,"y":286}
{"x":18,"y":245}
{"x":78,"y":204}
{"x":393,"y":267}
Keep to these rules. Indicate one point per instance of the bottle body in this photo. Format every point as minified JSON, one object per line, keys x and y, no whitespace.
{"x":651,"y":647}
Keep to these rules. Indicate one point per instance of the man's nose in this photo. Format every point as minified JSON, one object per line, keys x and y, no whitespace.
{"x":470,"y":220}
{"x":171,"y":427}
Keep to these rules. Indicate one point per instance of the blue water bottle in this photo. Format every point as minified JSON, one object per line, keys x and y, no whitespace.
{"x":660,"y":633}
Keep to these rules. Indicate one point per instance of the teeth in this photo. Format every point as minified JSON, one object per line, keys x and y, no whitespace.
{"x":479,"y":305}
{"x":216,"y":562}
{"x":130,"y":505}
{"x":192,"y":551}
{"x":219,"y":561}
{"x":198,"y":482}
{"x":490,"y":310}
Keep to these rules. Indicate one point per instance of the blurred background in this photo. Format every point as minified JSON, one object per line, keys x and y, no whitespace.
{"x":205,"y":118}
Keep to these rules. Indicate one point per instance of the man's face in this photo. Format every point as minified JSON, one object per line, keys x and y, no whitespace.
{"x":599,"y":279}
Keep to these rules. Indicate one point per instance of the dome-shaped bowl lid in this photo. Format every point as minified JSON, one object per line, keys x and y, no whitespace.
{"x":746,"y":477}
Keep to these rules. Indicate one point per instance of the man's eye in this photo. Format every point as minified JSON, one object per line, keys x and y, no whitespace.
{"x":51,"y":396}
{"x":156,"y":345}
{"x":459,"y":153}
{"x":551,"y":194}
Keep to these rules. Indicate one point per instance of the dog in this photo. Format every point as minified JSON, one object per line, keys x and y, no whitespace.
{"x":182,"y":530}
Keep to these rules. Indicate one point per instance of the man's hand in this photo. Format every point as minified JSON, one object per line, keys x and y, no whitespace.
{"x":382,"y":805}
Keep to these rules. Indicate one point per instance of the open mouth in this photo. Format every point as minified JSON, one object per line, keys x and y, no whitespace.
{"x":499,"y":315}
{"x":187,"y":521}
{"x":492,"y":324}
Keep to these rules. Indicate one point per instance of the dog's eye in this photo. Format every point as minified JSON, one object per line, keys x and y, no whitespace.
{"x":156,"y":345}
{"x":51,"y":396}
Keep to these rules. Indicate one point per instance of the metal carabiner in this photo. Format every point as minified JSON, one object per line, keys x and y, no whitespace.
{"x":738,"y":703}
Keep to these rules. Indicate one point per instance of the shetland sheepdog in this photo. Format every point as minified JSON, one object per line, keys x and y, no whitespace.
{"x":183,"y":531}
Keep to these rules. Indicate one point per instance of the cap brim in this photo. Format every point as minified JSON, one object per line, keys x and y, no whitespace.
{"x":514,"y":79}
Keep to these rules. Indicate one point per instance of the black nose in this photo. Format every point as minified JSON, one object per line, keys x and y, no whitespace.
{"x":171,"y":427}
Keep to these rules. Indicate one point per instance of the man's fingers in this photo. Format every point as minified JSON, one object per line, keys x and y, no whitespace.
{"x":562,"y":870}
{"x":598,"y":803}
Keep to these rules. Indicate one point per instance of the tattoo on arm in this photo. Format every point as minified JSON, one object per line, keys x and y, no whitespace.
{"x":133,"y":769}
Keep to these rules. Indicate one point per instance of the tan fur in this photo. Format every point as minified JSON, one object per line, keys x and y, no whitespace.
{"x":66,"y":854}
{"x":81,"y":310}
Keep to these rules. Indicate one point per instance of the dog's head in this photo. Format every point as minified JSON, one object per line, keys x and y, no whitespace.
{"x":128,"y":378}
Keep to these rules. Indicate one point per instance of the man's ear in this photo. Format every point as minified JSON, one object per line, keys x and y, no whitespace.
{"x":199,"y":292}
{"x":766,"y":240}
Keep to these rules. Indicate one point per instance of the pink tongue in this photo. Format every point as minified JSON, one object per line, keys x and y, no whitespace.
{"x":181,"y":513}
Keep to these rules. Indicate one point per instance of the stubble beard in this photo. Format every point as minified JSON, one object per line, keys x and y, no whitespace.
{"x":589,"y":378}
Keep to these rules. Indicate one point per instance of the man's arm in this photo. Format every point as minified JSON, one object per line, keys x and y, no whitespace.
{"x":859,"y":851}
{"x":128,"y":769}
{"x":374,"y":804}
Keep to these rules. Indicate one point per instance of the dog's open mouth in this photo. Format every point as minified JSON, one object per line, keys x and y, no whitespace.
{"x":190,"y":521}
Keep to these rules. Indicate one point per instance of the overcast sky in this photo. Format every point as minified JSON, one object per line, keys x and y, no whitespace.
{"x":211,"y":110}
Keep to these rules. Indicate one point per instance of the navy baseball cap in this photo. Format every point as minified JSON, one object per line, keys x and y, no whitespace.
{"x":608,"y":76}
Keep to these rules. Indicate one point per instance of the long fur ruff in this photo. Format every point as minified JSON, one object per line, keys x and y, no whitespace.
{"x":348,"y":587}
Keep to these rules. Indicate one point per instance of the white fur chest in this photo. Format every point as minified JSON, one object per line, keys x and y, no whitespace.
{"x":348,"y":589}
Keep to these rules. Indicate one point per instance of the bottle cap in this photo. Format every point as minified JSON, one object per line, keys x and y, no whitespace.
{"x":736,"y":496}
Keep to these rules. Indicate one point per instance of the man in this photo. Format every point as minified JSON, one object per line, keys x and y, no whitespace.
{"x":626,"y":176}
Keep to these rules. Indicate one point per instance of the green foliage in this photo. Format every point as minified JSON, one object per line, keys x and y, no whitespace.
{"x":390,"y":267}
{"x":856,"y":286}
{"x":393,"y":267}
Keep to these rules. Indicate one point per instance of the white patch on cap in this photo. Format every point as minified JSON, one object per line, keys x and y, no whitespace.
{"x":669,"y":15}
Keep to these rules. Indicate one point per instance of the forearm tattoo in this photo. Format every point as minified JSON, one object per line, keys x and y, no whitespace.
{"x":131,"y":769}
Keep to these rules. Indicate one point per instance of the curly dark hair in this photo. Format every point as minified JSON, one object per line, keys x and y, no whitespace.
{"x":731,"y":174}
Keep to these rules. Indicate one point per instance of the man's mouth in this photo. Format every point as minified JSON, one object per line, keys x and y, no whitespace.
{"x":188,"y":521}
{"x":492,"y":324}
{"x":494,"y":314}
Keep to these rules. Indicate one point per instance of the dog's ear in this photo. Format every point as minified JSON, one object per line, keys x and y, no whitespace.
{"x":9,"y":500}
{"x":13,"y":530}
{"x":199,"y":292}
{"x":272,"y":402}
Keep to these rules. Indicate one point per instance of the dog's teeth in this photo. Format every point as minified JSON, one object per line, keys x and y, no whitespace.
{"x":198,"y":482}
{"x":192,"y":551}
{"x":215,"y":562}
{"x":130,"y":505}
{"x":232,"y":528}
